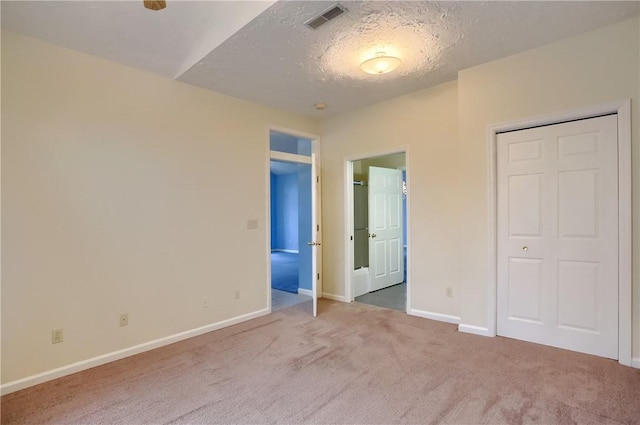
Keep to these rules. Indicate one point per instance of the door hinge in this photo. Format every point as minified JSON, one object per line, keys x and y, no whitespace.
{"x":317,"y":179}
{"x":352,"y":237}
{"x":317,"y":227}
{"x":318,"y":276}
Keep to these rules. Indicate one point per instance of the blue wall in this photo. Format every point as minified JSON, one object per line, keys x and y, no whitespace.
{"x":286,"y":214}
{"x":304,"y":227}
{"x":274,"y":231}
{"x":291,"y":218}
{"x":290,"y":144}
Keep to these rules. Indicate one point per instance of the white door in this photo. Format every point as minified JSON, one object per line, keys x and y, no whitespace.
{"x":386,"y":255}
{"x":315,"y":225}
{"x":557,"y":191}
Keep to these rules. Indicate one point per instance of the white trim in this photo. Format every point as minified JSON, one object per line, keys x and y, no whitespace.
{"x":623,"y":109}
{"x":407,"y":169}
{"x":267,"y":211}
{"x":335,"y":297}
{"x":288,"y":251}
{"x":291,"y":132}
{"x":625,"y":309}
{"x":349,"y":228}
{"x":635,"y":362}
{"x":435,"y":316}
{"x":303,"y":291}
{"x":290,"y":157}
{"x":39,"y":378}
{"x":492,"y":227}
{"x":475,"y":330}
{"x":314,"y":160}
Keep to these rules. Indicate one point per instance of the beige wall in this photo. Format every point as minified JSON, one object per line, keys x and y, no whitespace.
{"x":118,"y":190}
{"x":361,"y":167}
{"x":120,"y":195}
{"x":584,"y":71}
{"x":424,"y":124}
{"x":444,"y":130}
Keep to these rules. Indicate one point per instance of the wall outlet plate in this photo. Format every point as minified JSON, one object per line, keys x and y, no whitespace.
{"x":57,"y":336}
{"x":124,"y":319}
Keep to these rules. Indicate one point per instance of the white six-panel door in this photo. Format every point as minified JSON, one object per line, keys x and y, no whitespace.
{"x":558,"y":235}
{"x":386,"y":248}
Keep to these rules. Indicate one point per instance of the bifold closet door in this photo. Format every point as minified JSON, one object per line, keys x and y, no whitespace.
{"x":557,"y":192}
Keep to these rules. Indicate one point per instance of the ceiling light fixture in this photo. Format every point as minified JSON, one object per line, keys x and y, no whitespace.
{"x":155,"y":4}
{"x":380,"y":64}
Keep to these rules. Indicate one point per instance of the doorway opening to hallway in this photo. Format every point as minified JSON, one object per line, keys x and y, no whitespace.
{"x":294,"y":257}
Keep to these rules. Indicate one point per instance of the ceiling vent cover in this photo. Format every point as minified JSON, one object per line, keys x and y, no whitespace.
{"x":329,"y":14}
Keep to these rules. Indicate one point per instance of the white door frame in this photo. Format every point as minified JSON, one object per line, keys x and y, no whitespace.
{"x":349,"y":224}
{"x":623,"y":109}
{"x":315,"y":205}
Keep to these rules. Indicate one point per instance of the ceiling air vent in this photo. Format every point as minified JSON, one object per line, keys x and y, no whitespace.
{"x":329,"y":14}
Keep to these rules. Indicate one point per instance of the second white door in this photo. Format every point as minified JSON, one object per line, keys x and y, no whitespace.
{"x":386,"y":248}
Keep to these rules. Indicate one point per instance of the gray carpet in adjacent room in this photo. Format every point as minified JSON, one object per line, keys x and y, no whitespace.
{"x":394,"y":297}
{"x":354,"y":364}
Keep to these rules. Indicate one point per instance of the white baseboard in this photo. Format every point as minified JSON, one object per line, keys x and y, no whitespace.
{"x":335,"y":297}
{"x":303,"y":291}
{"x":49,"y":375}
{"x":435,"y":316}
{"x":635,"y":362}
{"x":476,"y":330}
{"x":290,"y":251}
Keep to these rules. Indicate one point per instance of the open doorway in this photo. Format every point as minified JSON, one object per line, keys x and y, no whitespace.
{"x":294,"y":228}
{"x":379,"y":231}
{"x":290,"y":231}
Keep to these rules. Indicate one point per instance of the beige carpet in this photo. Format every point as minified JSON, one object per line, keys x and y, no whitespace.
{"x":354,"y":364}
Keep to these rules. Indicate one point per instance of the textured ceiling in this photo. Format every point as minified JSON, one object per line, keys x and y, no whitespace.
{"x":278,"y":61}
{"x":261,"y":50}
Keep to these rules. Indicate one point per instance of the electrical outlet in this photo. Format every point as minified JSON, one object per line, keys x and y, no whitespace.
{"x":57,"y":336}
{"x":205,"y":302}
{"x":237,"y":294}
{"x":124,"y":319}
{"x":449,"y":292}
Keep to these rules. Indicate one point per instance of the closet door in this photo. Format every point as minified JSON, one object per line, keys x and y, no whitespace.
{"x":558,"y":235}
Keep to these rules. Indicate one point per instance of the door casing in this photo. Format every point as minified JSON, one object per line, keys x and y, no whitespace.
{"x":349,"y":224}
{"x":623,"y":110}
{"x":315,"y":209}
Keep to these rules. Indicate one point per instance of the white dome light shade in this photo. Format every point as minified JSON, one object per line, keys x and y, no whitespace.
{"x":380,"y":64}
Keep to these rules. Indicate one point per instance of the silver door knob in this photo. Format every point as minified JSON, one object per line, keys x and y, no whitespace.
{"x":311,"y":243}
{"x":372,"y":235}
{"x":525,"y":248}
